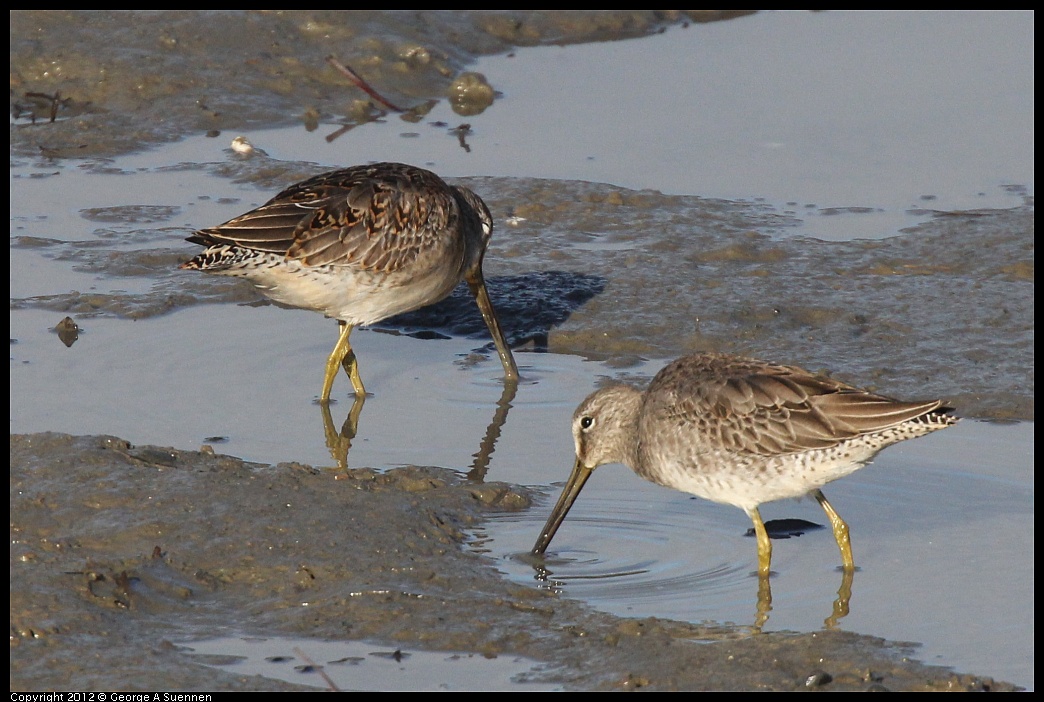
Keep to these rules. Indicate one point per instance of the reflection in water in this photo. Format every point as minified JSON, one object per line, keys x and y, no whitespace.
{"x":340,"y":442}
{"x":844,"y":595}
{"x":67,"y":331}
{"x":528,"y":306}
{"x":543,"y":575}
{"x":341,"y":665}
{"x":840,"y":608}
{"x":481,"y":463}
{"x":785,"y":529}
{"x":764,"y":605}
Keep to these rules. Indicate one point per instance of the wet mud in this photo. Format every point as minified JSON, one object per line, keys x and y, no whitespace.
{"x":118,"y":552}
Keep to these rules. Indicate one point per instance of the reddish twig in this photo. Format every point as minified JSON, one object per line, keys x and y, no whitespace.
{"x":362,"y":84}
{"x":317,"y":668}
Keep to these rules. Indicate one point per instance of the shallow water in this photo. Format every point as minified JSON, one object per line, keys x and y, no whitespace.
{"x":935,"y":526}
{"x":941,"y":526}
{"x":361,"y":666}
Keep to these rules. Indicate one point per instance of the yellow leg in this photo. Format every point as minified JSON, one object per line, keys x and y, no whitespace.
{"x":840,"y":531}
{"x":351,"y":367}
{"x":764,"y":603}
{"x":764,"y":545}
{"x":342,"y":354}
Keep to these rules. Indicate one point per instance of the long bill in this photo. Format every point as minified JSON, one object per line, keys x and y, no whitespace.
{"x":573,"y":487}
{"x":478,"y":288}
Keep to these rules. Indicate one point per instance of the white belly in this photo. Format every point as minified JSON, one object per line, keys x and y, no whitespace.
{"x":346,"y":293}
{"x":747,"y":482}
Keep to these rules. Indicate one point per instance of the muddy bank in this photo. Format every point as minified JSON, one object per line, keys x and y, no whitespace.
{"x":118,"y":551}
{"x":161,"y":75}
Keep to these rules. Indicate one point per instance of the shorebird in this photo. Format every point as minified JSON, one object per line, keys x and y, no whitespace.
{"x":741,"y":432}
{"x":360,"y":244}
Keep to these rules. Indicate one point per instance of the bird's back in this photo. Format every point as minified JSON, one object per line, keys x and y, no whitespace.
{"x":379,"y":217}
{"x":358,"y":244}
{"x":743,"y":431}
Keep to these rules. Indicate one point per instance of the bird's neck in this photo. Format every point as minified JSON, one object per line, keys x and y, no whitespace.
{"x":628,"y":428}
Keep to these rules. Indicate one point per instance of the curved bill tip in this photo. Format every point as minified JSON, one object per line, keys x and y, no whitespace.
{"x":572,"y":489}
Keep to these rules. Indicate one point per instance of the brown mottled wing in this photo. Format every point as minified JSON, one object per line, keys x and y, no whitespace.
{"x":376,"y":217}
{"x":767,"y":409}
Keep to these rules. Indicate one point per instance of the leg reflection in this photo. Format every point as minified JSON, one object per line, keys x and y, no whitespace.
{"x":840,"y":609}
{"x":339,"y":442}
{"x":764,"y":603}
{"x":844,"y":594}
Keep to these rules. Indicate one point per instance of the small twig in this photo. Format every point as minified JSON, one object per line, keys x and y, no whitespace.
{"x":318,"y":669}
{"x":362,"y":84}
{"x":339,"y":132}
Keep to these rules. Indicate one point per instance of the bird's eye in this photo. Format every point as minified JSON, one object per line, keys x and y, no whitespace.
{"x":586,"y":422}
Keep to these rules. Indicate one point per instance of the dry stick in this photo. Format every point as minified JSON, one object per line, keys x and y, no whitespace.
{"x":339,"y":132}
{"x":318,"y":669}
{"x":362,"y":84}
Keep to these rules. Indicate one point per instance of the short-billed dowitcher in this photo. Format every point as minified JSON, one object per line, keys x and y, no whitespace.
{"x":359,"y":245}
{"x":740,"y":432}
